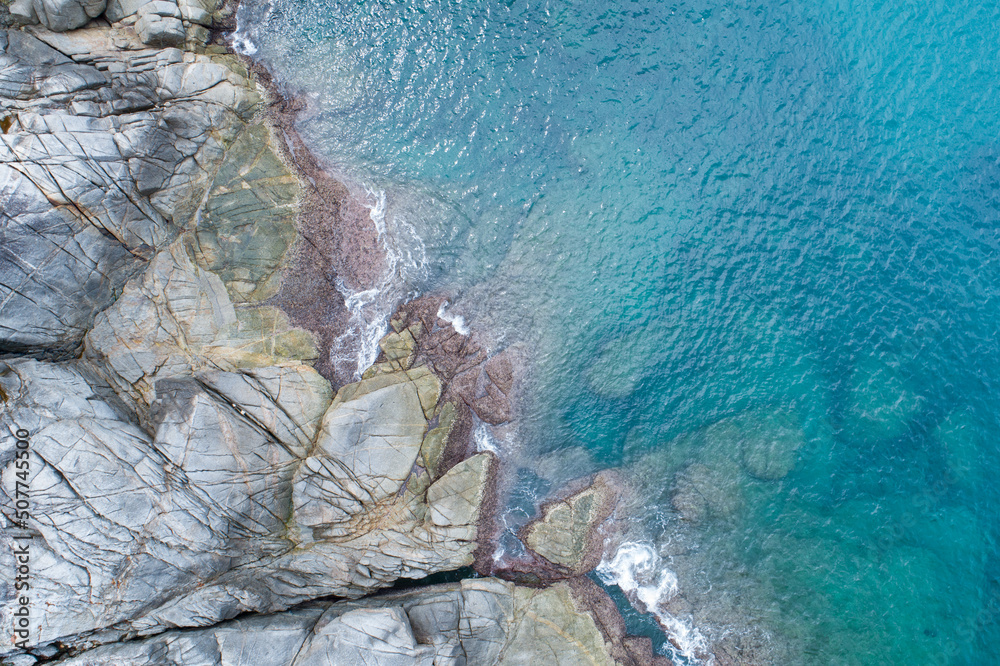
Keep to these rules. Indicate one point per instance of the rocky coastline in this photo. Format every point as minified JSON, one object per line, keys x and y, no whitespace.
{"x":205,"y":482}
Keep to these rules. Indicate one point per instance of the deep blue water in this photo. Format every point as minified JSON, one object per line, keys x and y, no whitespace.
{"x":740,"y":241}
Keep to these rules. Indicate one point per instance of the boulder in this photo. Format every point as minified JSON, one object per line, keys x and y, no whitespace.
{"x":365,"y":452}
{"x":121,"y":9}
{"x":567,"y":531}
{"x":433,"y":447}
{"x":159,"y":23}
{"x":399,"y":349}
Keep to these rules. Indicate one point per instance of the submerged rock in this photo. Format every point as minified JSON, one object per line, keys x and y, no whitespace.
{"x":769,"y":442}
{"x":710,"y":466}
{"x":881,"y":404}
{"x":624,"y":362}
{"x":701,"y":492}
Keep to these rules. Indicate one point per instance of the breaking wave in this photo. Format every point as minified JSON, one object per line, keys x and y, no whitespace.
{"x":370,"y":309}
{"x":642,"y":575}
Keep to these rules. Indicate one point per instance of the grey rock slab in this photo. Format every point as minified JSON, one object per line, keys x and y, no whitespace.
{"x":289,"y":401}
{"x":57,"y":15}
{"x":483,"y":621}
{"x":366,"y":635}
{"x":202,"y":9}
{"x":106,"y":158}
{"x":359,"y":459}
{"x":270,"y":640}
{"x":127,"y":521}
{"x":54,"y":271}
{"x":177,"y":320}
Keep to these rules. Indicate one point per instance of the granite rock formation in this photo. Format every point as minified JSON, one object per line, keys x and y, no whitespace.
{"x":165,"y":338}
{"x":105,"y":155}
{"x":190,"y":464}
{"x":571,"y":531}
{"x":200,"y":511}
{"x":155,"y":22}
{"x":485,"y":621}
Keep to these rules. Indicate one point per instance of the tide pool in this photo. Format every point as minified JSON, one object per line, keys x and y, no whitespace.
{"x":752,"y":249}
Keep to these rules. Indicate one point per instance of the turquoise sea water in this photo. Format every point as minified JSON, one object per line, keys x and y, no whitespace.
{"x":752,"y":249}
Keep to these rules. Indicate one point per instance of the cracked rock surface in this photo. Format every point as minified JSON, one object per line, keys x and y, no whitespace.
{"x":199,"y":512}
{"x":188,"y":462}
{"x":485,"y":621}
{"x":105,"y":154}
{"x":154,"y":22}
{"x":567,"y":533}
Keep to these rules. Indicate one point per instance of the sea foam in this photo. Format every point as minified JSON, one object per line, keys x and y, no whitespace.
{"x":370,"y":309}
{"x":457,"y":321}
{"x":642,"y":575}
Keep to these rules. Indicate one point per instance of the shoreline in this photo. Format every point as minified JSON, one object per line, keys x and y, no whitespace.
{"x":264,"y":395}
{"x":531,"y":569}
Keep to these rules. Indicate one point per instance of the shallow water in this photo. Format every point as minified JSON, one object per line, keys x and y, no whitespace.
{"x":753,"y":250}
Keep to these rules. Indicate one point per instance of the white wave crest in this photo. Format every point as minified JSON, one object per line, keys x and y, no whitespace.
{"x":240,"y":40}
{"x":242,"y":44}
{"x":457,"y":321}
{"x":406,"y":255}
{"x":247,"y":15}
{"x":644,"y":578}
{"x":367,"y":323}
{"x":370,"y":309}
